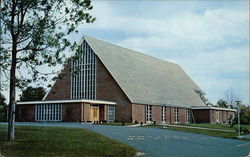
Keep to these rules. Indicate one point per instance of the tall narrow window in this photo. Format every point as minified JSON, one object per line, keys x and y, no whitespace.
{"x":48,"y":112}
{"x":188,"y":115}
{"x":163,"y":114}
{"x":110,"y":113}
{"x":176,"y":115}
{"x":148,"y":113}
{"x":83,"y":76}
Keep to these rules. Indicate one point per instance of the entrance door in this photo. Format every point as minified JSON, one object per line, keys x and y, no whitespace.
{"x":94,"y":113}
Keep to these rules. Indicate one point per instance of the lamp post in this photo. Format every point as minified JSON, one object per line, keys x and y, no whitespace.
{"x":238,"y":105}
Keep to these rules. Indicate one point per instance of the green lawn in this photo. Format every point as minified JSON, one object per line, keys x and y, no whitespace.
{"x":33,"y":141}
{"x":217,"y":126}
{"x":204,"y":132}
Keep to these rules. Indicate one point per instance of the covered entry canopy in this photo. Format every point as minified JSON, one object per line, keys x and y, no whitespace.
{"x":210,"y":114}
{"x":67,"y":101}
{"x":81,"y":110}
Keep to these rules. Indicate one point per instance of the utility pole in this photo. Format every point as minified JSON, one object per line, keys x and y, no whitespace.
{"x":238,"y":105}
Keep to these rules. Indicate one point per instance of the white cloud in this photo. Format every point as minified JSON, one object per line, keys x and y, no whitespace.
{"x":208,"y":39}
{"x":212,"y":46}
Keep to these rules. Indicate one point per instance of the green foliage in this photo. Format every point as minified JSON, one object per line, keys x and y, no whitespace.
{"x":35,"y":33}
{"x":222,"y":103}
{"x":3,"y":108}
{"x":244,"y":115}
{"x":32,"y":94}
{"x":33,"y":141}
{"x":203,"y":97}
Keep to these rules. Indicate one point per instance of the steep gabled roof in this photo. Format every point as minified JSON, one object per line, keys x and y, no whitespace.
{"x":145,"y":79}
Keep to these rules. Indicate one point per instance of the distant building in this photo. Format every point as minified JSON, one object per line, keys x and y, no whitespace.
{"x":111,"y":83}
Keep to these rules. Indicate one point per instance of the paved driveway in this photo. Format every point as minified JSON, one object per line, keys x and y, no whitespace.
{"x":165,"y":143}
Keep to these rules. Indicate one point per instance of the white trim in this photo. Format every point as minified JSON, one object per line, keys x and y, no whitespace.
{"x":211,"y":108}
{"x":188,"y":115}
{"x":67,"y":101}
{"x":167,"y":105}
{"x":163,"y":114}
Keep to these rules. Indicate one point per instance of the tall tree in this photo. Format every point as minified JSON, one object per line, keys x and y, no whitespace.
{"x":34,"y":34}
{"x":222,"y":103}
{"x":230,"y":96}
{"x":32,"y":94}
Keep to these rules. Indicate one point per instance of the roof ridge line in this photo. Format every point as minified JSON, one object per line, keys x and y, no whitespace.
{"x":137,"y":52}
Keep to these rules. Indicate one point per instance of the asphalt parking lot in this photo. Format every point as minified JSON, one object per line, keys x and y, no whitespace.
{"x":166,"y":143}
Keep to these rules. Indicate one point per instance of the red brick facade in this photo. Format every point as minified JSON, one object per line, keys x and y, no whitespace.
{"x":108,"y":89}
{"x":212,"y":116}
{"x":201,"y":116}
{"x":61,"y":88}
{"x":156,"y":114}
{"x":138,"y":113}
{"x":71,"y":112}
{"x":182,"y":115}
{"x":25,"y":113}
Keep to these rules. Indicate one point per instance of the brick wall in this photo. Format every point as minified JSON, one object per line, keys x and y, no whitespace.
{"x":201,"y":116}
{"x":182,"y":115}
{"x":71,"y":112}
{"x":61,"y":88}
{"x":102,"y":112}
{"x":25,"y":113}
{"x":168,"y":116}
{"x":138,"y":113}
{"x":108,"y":89}
{"x":156,"y":114}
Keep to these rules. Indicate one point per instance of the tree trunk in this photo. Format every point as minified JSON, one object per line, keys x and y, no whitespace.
{"x":12,"y":102}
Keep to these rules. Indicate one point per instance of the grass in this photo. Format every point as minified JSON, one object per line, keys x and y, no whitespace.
{"x":33,"y":141}
{"x":204,"y":132}
{"x":217,"y":126}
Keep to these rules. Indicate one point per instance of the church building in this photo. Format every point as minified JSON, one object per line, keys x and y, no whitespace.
{"x":108,"y":83}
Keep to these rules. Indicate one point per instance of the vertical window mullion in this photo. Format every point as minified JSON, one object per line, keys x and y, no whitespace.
{"x":84,"y":71}
{"x":90,"y":75}
{"x":43,"y":111}
{"x":46,"y":118}
{"x":49,"y":117}
{"x":56,"y":112}
{"x":53,"y":112}
{"x":60,"y":112}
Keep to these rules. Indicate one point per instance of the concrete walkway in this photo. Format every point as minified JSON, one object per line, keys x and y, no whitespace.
{"x":165,"y":143}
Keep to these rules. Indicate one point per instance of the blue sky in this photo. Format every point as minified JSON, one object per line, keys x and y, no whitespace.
{"x":209,"y":39}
